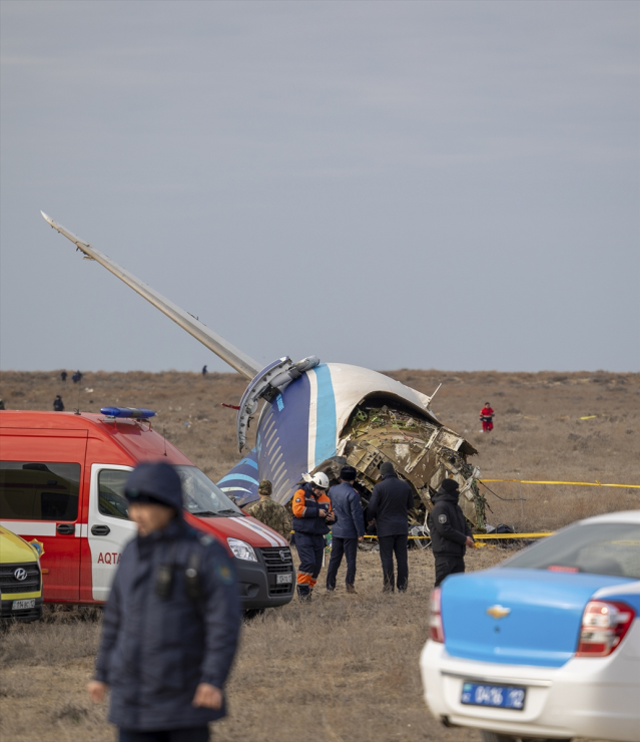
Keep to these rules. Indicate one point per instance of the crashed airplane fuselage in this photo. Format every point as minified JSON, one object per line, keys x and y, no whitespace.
{"x":313,"y":416}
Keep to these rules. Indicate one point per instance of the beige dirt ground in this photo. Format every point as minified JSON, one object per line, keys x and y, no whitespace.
{"x":344,"y":667}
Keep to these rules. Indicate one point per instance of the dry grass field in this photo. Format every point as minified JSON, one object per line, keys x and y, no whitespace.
{"x":344,"y":667}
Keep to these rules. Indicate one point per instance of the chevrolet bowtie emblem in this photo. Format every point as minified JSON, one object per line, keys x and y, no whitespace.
{"x":498,"y":611}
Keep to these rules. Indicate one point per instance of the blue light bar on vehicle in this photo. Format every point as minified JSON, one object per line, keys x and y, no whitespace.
{"x":127,"y":412}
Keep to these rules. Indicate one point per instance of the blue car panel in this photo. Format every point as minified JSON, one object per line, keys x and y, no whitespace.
{"x":542,"y":614}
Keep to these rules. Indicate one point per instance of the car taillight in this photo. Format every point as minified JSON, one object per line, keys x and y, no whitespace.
{"x":436,"y":630}
{"x":604,"y":624}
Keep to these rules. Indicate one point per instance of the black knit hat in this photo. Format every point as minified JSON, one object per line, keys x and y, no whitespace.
{"x":449,"y":486}
{"x":348,"y":473}
{"x":387,"y":468}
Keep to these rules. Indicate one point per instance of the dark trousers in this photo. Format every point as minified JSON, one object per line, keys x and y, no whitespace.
{"x":390,"y":545}
{"x":195,"y":734}
{"x":339,"y":547}
{"x":310,"y":550}
{"x":446,"y":565}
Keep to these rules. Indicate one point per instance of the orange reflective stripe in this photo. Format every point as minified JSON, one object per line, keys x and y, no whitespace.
{"x":324,"y":500}
{"x":305,"y":579}
{"x":299,"y":503}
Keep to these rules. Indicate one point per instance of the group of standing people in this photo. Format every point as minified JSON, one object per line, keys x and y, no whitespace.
{"x":76,"y":378}
{"x":58,"y":404}
{"x":318,"y":508}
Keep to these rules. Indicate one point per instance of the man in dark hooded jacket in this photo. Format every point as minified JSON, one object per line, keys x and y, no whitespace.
{"x":450,"y":532}
{"x":171,"y":623}
{"x":390,"y":502}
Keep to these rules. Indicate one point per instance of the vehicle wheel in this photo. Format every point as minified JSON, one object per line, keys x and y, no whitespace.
{"x":495,"y":737}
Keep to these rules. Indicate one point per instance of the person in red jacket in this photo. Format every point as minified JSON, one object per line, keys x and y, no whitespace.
{"x":486,"y":416}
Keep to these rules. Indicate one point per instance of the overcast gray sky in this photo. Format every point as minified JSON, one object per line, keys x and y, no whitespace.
{"x":391,"y":184}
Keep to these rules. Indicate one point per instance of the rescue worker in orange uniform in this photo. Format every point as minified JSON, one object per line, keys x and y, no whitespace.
{"x":486,"y":416}
{"x":312,"y":515}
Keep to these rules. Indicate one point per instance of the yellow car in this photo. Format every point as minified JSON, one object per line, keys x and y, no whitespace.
{"x":20,"y":578}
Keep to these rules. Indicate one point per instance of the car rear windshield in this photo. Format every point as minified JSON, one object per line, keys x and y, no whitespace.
{"x":598,"y":548}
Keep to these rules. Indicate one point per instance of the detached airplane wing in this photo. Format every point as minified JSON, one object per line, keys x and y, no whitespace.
{"x":238,"y":360}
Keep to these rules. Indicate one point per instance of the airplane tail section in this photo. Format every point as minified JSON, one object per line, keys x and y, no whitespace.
{"x":229,"y":353}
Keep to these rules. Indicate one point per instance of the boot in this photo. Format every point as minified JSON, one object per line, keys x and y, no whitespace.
{"x":351,"y":590}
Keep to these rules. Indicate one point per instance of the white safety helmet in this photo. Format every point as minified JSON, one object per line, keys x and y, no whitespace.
{"x":320,"y":480}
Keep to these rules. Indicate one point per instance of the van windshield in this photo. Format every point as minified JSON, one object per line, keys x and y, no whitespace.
{"x":200,"y":496}
{"x":599,"y":548}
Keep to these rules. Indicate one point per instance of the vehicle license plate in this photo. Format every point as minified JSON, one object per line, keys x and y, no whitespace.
{"x":499,"y":696}
{"x":20,"y":605}
{"x":285,"y":578}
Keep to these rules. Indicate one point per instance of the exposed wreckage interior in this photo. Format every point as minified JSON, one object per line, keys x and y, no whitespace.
{"x":421,"y":449}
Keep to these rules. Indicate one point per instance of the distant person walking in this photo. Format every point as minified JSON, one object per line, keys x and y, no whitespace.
{"x":348,"y":529}
{"x":77,"y":377}
{"x":64,"y":375}
{"x":450,"y":532}
{"x":486,"y":417}
{"x":1,"y":404}
{"x":204,"y":371}
{"x":389,"y":506}
{"x":58,"y":404}
{"x":270,"y":512}
{"x":171,"y":624}
{"x":312,"y":515}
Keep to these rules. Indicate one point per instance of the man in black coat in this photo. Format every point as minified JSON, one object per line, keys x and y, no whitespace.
{"x":450,"y":532}
{"x":390,"y":502}
{"x":171,"y":623}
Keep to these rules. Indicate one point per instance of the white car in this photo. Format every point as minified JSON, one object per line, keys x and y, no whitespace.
{"x":545,"y":646}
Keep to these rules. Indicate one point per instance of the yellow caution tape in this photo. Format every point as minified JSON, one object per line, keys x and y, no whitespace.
{"x":487,"y":536}
{"x":544,"y":481}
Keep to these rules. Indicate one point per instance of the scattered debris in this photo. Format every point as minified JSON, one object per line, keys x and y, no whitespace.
{"x":422,"y":450}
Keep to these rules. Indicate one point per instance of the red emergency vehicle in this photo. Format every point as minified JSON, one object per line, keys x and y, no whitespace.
{"x":62,"y":481}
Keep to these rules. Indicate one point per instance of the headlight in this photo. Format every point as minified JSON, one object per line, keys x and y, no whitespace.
{"x":242,"y":550}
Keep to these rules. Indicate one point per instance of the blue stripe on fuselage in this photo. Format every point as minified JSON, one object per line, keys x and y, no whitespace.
{"x":325,"y":415}
{"x":241,"y":477}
